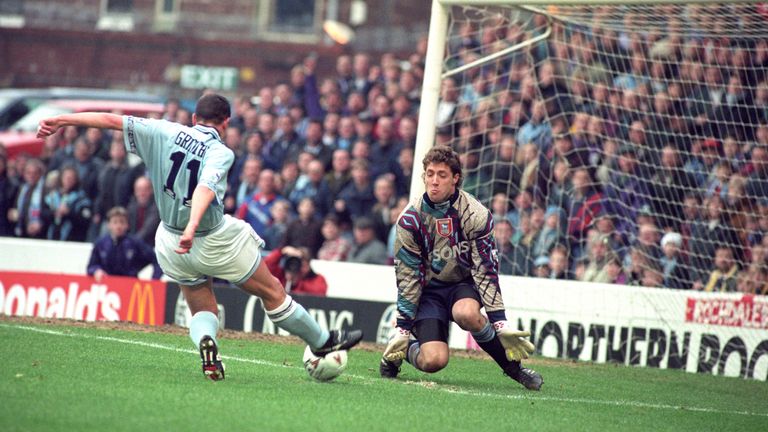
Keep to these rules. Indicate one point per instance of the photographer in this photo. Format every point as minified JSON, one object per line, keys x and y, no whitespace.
{"x":291,"y":266}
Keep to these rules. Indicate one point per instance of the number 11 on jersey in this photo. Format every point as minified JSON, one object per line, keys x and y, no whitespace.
{"x":193,"y":166}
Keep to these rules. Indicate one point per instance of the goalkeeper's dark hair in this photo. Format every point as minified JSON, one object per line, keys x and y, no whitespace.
{"x":212,"y":108}
{"x":446,"y":155}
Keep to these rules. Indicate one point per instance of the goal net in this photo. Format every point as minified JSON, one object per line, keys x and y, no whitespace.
{"x":624,"y":144}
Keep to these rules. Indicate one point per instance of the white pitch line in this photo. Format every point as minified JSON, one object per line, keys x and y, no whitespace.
{"x":424,"y":384}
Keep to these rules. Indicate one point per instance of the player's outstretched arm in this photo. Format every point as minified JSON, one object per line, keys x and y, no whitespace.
{"x":99,"y":120}
{"x":201,"y":199}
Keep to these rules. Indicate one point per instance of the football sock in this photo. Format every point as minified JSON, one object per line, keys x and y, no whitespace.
{"x":491,"y":344}
{"x":203,"y":323}
{"x":292,"y":317}
{"x":412,"y":354}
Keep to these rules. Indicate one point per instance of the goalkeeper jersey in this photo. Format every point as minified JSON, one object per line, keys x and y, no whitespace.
{"x":438,"y":245}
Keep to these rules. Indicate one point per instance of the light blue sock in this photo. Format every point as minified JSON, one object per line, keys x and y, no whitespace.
{"x":292,"y":317}
{"x":203,"y":324}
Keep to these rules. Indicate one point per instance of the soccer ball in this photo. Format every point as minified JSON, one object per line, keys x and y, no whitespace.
{"x":325,"y":368}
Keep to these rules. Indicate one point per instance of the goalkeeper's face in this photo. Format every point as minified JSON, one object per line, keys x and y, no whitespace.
{"x":440,"y":182}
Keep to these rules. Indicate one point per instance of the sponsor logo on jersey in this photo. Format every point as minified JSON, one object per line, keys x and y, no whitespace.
{"x":450,"y":252}
{"x":444,"y":227}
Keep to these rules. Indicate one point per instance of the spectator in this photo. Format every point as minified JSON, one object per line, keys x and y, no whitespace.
{"x":674,"y":268}
{"x":724,"y":276}
{"x":68,"y":209}
{"x":384,"y":192}
{"x":119,"y":253}
{"x":257,"y":209}
{"x":115,"y":181}
{"x":710,"y":230}
{"x":8,"y":190}
{"x":667,"y":186}
{"x":143,"y":215}
{"x":339,"y":175}
{"x":247,"y":186}
{"x":541,"y":267}
{"x":537,"y":130}
{"x":313,"y":144}
{"x":551,"y":232}
{"x":312,"y":185}
{"x":305,"y":230}
{"x":65,"y":149}
{"x":367,"y":248}
{"x":335,"y":246}
{"x":615,"y":271}
{"x":281,"y":216}
{"x":503,"y":234}
{"x":404,"y":171}
{"x":558,"y":263}
{"x":585,"y":205}
{"x":357,"y":197}
{"x":88,"y":167}
{"x":292,"y":267}
{"x":27,"y":214}
{"x":599,"y":254}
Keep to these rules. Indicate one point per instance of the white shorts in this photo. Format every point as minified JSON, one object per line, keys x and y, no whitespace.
{"x":231,"y":252}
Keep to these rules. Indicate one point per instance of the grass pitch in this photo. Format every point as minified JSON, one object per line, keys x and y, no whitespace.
{"x":68,"y":376}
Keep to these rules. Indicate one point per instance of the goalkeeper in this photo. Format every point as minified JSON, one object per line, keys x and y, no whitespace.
{"x":446,"y":268}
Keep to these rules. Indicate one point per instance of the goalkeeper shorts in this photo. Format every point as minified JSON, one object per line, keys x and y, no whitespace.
{"x":434,"y":313}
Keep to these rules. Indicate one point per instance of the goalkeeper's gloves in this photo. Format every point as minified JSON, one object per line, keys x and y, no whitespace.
{"x":516,"y":347}
{"x":398,"y":345}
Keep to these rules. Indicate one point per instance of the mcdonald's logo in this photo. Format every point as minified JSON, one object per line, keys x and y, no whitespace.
{"x":142,"y":303}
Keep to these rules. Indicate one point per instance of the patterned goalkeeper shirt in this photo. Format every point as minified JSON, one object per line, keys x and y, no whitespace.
{"x":439,"y":245}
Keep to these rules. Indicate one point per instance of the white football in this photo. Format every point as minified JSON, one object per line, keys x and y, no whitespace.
{"x":325,"y":368}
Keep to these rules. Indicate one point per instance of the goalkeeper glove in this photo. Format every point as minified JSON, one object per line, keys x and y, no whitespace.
{"x":516,"y":347}
{"x":398,"y":345}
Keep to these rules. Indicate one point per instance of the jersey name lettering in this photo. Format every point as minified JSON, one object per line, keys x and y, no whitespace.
{"x":190,"y":144}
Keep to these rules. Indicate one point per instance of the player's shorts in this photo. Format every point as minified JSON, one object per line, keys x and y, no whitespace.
{"x":231,"y":252}
{"x":434,"y":313}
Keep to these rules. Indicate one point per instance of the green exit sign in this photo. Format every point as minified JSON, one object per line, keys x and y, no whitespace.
{"x":205,"y":77}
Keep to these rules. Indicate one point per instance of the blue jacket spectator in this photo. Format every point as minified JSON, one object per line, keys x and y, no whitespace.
{"x":120,"y":254}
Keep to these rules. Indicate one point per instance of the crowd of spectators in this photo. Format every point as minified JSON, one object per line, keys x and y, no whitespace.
{"x":605,"y":155}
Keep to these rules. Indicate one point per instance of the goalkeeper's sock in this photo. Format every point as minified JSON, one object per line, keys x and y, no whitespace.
{"x":412,"y":354}
{"x":491,"y":344}
{"x":203,"y":323}
{"x":292,"y":317}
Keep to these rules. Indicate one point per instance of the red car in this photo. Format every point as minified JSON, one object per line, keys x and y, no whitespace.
{"x":20,"y":137}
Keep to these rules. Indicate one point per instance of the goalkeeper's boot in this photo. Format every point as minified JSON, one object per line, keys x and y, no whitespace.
{"x":529,"y":378}
{"x":389,"y":369}
{"x":213,"y":367}
{"x":339,"y":340}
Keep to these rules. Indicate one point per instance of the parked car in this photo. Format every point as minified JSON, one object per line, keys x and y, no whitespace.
{"x":21,"y":136}
{"x":15,"y":103}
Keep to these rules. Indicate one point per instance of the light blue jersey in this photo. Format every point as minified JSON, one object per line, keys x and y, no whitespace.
{"x":178,"y":158}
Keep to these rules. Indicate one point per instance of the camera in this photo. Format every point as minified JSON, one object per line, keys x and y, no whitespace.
{"x":290,"y":264}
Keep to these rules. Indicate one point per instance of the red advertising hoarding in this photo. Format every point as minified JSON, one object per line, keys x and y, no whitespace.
{"x":81,"y":297}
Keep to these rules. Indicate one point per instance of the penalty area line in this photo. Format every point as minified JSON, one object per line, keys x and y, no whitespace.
{"x":428,"y":385}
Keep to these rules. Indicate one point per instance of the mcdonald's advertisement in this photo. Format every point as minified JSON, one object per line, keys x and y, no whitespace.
{"x":82,"y":298}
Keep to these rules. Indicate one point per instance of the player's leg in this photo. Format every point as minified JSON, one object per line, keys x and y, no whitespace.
{"x":233,"y":253}
{"x":429,"y":352}
{"x":291,"y":316}
{"x":198,"y":293}
{"x":204,"y":326}
{"x":466,"y":313}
